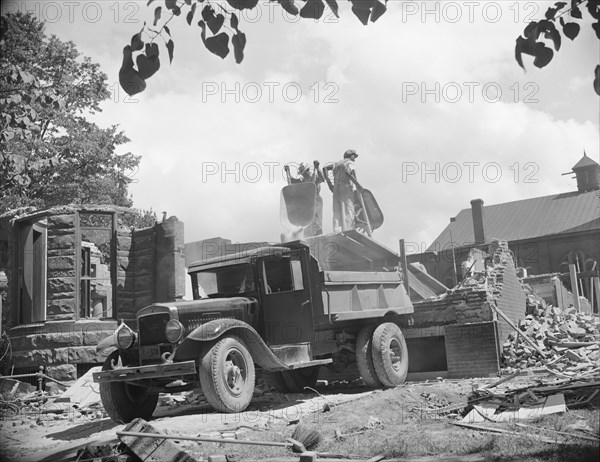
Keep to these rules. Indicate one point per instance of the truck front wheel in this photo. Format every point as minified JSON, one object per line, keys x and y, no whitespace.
{"x":390,"y":355}
{"x":227,"y":375}
{"x":123,"y":401}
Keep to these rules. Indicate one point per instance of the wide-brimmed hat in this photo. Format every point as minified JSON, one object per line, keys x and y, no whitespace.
{"x":302,"y":167}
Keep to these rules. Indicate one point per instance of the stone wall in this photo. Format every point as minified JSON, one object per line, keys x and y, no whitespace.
{"x":142,"y":258}
{"x":61,"y":270}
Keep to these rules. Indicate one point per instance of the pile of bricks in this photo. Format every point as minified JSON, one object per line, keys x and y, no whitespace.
{"x":570,"y":342}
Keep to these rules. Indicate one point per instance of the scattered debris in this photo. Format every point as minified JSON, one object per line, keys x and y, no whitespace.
{"x":565,"y":342}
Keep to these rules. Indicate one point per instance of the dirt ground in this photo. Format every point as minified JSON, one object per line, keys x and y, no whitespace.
{"x":391,"y":422}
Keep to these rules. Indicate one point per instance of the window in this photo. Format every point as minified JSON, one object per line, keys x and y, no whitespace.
{"x":32,"y":269}
{"x":96,"y":273}
{"x":283,"y":275}
{"x":227,"y":281}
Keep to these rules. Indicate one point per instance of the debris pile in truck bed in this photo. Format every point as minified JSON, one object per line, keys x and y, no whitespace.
{"x":570,"y":341}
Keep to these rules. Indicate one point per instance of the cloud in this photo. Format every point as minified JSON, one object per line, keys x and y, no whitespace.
{"x":438,"y":110}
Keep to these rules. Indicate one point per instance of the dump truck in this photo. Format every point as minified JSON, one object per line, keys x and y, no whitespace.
{"x":272,"y":309}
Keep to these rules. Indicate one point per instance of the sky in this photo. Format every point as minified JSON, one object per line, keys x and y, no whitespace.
{"x":430,"y":97}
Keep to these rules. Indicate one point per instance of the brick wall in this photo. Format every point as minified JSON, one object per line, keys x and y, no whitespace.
{"x":471,"y":350}
{"x":506,"y":288}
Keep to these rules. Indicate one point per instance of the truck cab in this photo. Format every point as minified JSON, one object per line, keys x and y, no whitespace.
{"x":271,"y":308}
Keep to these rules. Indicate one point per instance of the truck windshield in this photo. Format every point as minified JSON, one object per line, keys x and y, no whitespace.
{"x":227,"y":281}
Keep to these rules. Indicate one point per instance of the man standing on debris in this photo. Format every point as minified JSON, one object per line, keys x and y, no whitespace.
{"x":316,"y":177}
{"x":344,"y":182}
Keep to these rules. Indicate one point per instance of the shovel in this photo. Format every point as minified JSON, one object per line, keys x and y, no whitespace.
{"x":374,"y":217}
{"x":298,"y":205}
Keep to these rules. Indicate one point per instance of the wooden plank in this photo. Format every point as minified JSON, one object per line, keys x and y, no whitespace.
{"x":597,"y":291}
{"x":150,"y":446}
{"x":574,"y":288}
{"x":404,"y":266}
{"x":511,"y":324}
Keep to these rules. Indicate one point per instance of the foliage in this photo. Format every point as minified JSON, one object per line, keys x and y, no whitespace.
{"x":139,"y":219}
{"x":530,"y":43}
{"x":219,"y":26}
{"x":50,"y":153}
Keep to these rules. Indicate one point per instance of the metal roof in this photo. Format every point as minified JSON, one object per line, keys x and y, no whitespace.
{"x":584,"y":162}
{"x":526,"y":219}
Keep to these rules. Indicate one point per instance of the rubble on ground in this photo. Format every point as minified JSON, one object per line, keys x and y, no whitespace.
{"x":570,"y":341}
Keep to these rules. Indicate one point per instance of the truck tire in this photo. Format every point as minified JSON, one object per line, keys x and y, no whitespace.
{"x":296,"y":379}
{"x":227,"y":375}
{"x":390,"y":355}
{"x":364,"y":357}
{"x":123,"y":401}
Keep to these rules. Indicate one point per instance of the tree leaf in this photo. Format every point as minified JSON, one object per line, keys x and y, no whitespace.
{"x":218,"y":45}
{"x":531,"y":30}
{"x":313,"y":9}
{"x":167,"y":30}
{"x":597,"y":80}
{"x":242,"y":4}
{"x":551,"y":13}
{"x":170,"y":49}
{"x":362,"y":15}
{"x":129,"y":79}
{"x":594,"y":9}
{"x":239,"y":43}
{"x":576,"y":13}
{"x":215,"y":23}
{"x":596,"y":27}
{"x":190,"y":15}
{"x":543,"y":55}
{"x":171,"y":4}
{"x":136,"y":42}
{"x":571,"y":30}
{"x":553,"y":34}
{"x":363,"y":4}
{"x":378,"y":10}
{"x":334,"y":7}
{"x":234,"y":21}
{"x":157,"y":13}
{"x":151,"y":49}
{"x":147,"y":65}
{"x":526,"y":46}
{"x":288,"y":5}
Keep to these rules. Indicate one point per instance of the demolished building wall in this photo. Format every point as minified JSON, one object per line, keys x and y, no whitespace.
{"x":73,"y":272}
{"x":466,"y":318}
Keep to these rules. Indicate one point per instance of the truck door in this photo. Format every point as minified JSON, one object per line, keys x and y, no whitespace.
{"x":286,"y":304}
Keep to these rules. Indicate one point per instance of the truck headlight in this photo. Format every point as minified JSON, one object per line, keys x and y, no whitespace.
{"x":125,"y":337}
{"x":173,"y":331}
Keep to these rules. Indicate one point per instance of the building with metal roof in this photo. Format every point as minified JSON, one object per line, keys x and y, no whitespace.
{"x":546,"y":233}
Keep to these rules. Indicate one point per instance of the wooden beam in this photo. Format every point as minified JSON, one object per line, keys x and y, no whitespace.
{"x":404,"y":266}
{"x":574,"y":287}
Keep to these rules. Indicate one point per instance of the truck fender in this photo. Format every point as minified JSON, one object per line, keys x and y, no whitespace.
{"x":213,"y":330}
{"x":108,"y":342}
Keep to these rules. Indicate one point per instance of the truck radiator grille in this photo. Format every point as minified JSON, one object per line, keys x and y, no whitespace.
{"x":152,"y":329}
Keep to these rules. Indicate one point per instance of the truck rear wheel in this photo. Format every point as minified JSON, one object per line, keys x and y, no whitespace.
{"x":296,"y":379}
{"x":364,"y":357}
{"x":227,"y":375}
{"x":390,"y":355}
{"x":123,"y":401}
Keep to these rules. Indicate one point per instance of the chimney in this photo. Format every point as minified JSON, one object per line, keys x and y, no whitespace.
{"x":477,"y":213}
